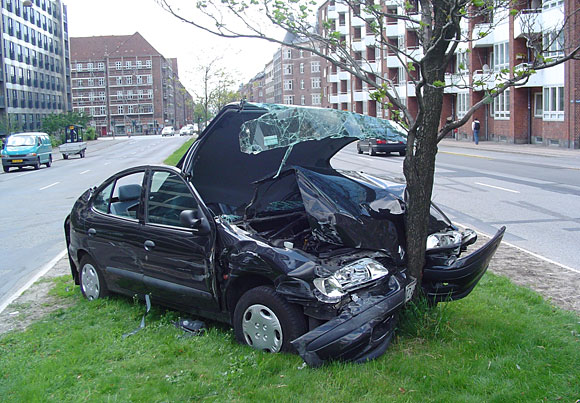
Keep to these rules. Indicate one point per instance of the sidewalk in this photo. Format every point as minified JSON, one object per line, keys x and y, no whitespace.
{"x":530,"y":149}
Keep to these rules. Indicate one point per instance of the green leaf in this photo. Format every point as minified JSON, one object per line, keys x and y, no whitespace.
{"x":478,"y":3}
{"x":438,"y":84}
{"x":513,"y":11}
{"x":410,"y":66}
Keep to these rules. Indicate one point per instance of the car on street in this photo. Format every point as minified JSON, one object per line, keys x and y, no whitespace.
{"x":396,"y":143}
{"x":268,"y":237}
{"x":27,"y":149}
{"x":186,"y":130}
{"x":168,"y":131}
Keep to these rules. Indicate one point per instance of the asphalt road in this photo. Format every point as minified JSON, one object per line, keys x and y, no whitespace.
{"x":34,"y":204}
{"x":536,"y":197}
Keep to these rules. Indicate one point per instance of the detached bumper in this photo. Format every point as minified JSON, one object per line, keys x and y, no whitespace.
{"x":448,"y":283}
{"x":361,"y":332}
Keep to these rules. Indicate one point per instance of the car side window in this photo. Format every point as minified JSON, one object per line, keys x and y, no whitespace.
{"x":102,"y":199}
{"x":168,"y":197}
{"x":126,"y":197}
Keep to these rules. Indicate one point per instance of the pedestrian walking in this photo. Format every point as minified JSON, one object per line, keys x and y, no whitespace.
{"x":475,"y":126}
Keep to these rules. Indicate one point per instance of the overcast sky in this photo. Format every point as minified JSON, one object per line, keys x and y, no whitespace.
{"x":168,"y":35}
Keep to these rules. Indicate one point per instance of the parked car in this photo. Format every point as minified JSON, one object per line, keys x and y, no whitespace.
{"x":268,"y":237}
{"x":397,"y":142}
{"x":27,"y":149}
{"x":168,"y":131}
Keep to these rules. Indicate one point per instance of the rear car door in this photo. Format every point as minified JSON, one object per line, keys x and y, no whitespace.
{"x":178,"y":260}
{"x":115,"y":232}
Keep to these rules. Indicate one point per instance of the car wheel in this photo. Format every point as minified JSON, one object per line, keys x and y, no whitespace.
{"x":49,"y":162}
{"x":65,"y":156}
{"x":372,"y":151}
{"x":83,"y":154}
{"x":6,"y":169}
{"x":402,"y":153}
{"x":266,"y":321}
{"x":37,"y":164}
{"x":91,"y":280}
{"x":358,"y":150}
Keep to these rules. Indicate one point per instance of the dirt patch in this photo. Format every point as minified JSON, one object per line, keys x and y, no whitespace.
{"x":555,"y":283}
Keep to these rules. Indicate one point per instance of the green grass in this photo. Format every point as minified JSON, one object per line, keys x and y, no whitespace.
{"x":502,"y":343}
{"x":174,"y":158}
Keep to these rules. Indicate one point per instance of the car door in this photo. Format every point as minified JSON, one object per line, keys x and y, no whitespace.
{"x":178,"y":259}
{"x":114,"y":231}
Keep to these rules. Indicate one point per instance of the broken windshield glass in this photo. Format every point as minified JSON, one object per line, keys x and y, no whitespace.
{"x":287,"y":125}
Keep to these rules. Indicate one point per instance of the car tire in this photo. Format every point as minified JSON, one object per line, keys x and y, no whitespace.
{"x":264,"y":320}
{"x":83,"y":154}
{"x":402,"y":153}
{"x":91,"y":279}
{"x":37,"y":163}
{"x":65,"y":156}
{"x":6,"y":169}
{"x":358,"y":150}
{"x":372,"y":151}
{"x":49,"y":162}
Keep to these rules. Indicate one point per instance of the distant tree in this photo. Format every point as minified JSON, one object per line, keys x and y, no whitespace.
{"x":439,"y":31}
{"x":55,"y":123}
{"x":8,"y":125}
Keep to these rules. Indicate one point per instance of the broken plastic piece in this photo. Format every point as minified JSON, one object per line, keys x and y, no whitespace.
{"x":191,"y":327}
{"x":142,"y":324}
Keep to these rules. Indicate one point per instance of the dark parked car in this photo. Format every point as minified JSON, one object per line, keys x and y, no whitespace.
{"x":269,"y":237}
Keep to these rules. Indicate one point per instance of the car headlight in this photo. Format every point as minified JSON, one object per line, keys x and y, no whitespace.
{"x":355,"y":275}
{"x":444,"y":240}
{"x":31,"y":155}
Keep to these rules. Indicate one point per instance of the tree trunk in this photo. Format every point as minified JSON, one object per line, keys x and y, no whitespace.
{"x":419,"y":169}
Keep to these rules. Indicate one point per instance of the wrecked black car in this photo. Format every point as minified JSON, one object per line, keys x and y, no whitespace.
{"x":255,"y":228}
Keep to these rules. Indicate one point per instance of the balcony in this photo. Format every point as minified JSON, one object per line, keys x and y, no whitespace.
{"x":483,"y":80}
{"x":341,"y":7}
{"x":344,"y":97}
{"x":482,"y":35}
{"x":393,"y":62}
{"x":393,"y":30}
{"x":358,"y":45}
{"x":343,"y":29}
{"x":415,"y":52}
{"x":361,"y":95}
{"x":343,"y":75}
{"x":358,"y":22}
{"x":334,"y":99}
{"x":456,"y":81}
{"x":333,"y":78}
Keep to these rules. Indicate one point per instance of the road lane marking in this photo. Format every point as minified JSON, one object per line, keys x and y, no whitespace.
{"x":33,"y":280}
{"x":106,"y":163}
{"x":49,"y":186}
{"x":84,"y":172}
{"x":497,"y":187}
{"x":25,"y":173}
{"x":466,"y":155}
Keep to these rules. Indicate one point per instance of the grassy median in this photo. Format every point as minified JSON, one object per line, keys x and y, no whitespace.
{"x":174,"y":158}
{"x":503,"y":343}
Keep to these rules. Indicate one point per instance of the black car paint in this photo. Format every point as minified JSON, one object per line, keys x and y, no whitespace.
{"x":373,"y":146}
{"x":233,"y":258}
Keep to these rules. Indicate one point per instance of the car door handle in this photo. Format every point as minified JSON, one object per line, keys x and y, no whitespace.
{"x":92,"y":231}
{"x":149,"y":245}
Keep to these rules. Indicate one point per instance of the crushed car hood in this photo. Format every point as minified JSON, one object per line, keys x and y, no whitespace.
{"x":249,"y":142}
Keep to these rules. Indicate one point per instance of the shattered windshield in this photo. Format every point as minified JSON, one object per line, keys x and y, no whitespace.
{"x":287,"y":125}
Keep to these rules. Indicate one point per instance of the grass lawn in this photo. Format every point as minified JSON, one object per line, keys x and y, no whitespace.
{"x":502,"y":343}
{"x":174,"y":158}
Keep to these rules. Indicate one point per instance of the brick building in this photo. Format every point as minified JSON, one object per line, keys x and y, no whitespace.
{"x":544,"y":110}
{"x":293,"y":77}
{"x":127,"y":85}
{"x":34,"y":74}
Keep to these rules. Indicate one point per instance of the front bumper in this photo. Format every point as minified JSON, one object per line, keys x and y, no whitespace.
{"x":361,"y":332}
{"x":19,"y":161}
{"x":388,"y":148}
{"x":448,"y":283}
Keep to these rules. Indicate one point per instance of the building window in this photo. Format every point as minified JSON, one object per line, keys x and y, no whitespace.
{"x":140,"y":94}
{"x":102,"y":110}
{"x":301,"y":53}
{"x":315,"y":81}
{"x":101,"y":66}
{"x":301,"y":84}
{"x":462,"y":65}
{"x":463,"y":104}
{"x":119,"y":95}
{"x":101,"y":81}
{"x":302,"y":100}
{"x":552,"y":3}
{"x":149,"y":94}
{"x":288,"y":54}
{"x":301,"y":68}
{"x":147,"y":63}
{"x":553,"y":44}
{"x":288,"y":85}
{"x":129,"y":80}
{"x":288,"y":69}
{"x":90,"y":66}
{"x":553,"y":103}
{"x":538,"y":105}
{"x":118,"y":65}
{"x":501,"y":57}
{"x":120,"y":110}
{"x":139,"y":79}
{"x":315,"y":99}
{"x":128,"y":65}
{"x":149,"y":79}
{"x":501,"y":106}
{"x":129,"y":94}
{"x":79,"y":67}
{"x":289,"y":99}
{"x":315,"y":67}
{"x":91,"y":82}
{"x":130,"y":109}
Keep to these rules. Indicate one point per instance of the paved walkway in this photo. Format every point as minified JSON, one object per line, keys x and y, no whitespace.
{"x":531,"y":149}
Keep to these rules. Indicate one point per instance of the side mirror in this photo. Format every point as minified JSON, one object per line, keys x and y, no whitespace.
{"x":194,"y":220}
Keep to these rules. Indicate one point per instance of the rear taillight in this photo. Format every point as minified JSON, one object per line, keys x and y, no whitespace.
{"x":381,"y":141}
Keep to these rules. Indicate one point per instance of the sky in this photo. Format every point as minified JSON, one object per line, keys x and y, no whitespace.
{"x":244,"y":58}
